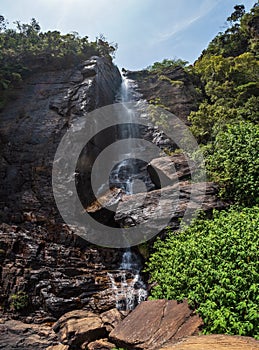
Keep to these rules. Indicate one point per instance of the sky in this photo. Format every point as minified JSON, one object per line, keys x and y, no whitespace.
{"x":146,"y":31}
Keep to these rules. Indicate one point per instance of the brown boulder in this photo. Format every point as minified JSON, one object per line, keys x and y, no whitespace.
{"x":153,"y":323}
{"x":102,"y":344}
{"x":215,"y":342}
{"x":58,"y":347}
{"x":165,"y":171}
{"x":111,"y":319}
{"x":79,"y":327}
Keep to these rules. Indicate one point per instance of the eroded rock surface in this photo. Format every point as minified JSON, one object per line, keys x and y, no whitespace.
{"x":164,"y":207}
{"x":215,"y":342}
{"x":153,"y":323}
{"x":19,"y":335}
{"x":57,"y":270}
{"x":165,"y":171}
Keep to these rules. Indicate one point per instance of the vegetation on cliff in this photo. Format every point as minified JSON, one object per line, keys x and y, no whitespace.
{"x":214,"y":262}
{"x":27,"y":48}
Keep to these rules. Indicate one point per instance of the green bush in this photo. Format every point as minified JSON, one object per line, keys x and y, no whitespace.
{"x":19,"y":301}
{"x":234,"y":162}
{"x":214,"y":264}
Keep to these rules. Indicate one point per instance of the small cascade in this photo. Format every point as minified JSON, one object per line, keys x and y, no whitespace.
{"x":127,"y":284}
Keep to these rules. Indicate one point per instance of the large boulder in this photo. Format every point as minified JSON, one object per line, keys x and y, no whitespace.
{"x":153,"y":323}
{"x":215,"y":342}
{"x":79,"y":327}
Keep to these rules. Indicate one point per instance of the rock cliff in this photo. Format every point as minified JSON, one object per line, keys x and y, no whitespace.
{"x":32,"y":126}
{"x":34,"y":247}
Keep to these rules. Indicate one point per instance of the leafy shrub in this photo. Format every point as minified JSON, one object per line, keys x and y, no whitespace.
{"x":214,"y":264}
{"x":234,"y":162}
{"x":19,"y":301}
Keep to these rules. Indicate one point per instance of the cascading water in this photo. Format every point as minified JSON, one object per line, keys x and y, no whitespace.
{"x":127,"y":284}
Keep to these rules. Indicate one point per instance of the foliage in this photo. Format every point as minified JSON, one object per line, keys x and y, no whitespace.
{"x":240,"y":35}
{"x":159,"y":67}
{"x":234,"y":162}
{"x":214,"y":264}
{"x":19,"y":301}
{"x":26,"y":45}
{"x":225,"y":123}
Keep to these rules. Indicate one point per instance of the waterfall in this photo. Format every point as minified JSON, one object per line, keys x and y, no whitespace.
{"x":126,"y":283}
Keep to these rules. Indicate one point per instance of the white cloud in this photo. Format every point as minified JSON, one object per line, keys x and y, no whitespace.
{"x":206,"y":7}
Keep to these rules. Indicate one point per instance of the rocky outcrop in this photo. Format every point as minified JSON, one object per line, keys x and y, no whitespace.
{"x":153,"y":323}
{"x":32,"y":126}
{"x":157,"y":325}
{"x":56,"y":270}
{"x":19,"y":335}
{"x":215,"y":342}
{"x":86,"y":330}
{"x":174,"y":88}
{"x":167,"y":171}
{"x":166,"y":206}
{"x":79,"y":327}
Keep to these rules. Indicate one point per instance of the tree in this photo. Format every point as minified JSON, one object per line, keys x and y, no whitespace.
{"x":3,"y":23}
{"x":237,"y":14}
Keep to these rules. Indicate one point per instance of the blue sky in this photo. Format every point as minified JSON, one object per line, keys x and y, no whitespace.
{"x":145,"y":30}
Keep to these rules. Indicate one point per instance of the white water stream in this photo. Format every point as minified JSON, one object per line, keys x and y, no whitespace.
{"x":127,"y":284}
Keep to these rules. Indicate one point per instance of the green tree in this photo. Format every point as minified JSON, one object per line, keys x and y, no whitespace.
{"x":159,"y":67}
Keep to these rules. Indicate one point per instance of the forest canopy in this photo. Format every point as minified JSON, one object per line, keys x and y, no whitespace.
{"x":25,"y":48}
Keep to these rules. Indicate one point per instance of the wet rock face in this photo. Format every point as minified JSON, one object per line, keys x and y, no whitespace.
{"x":32,"y":125}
